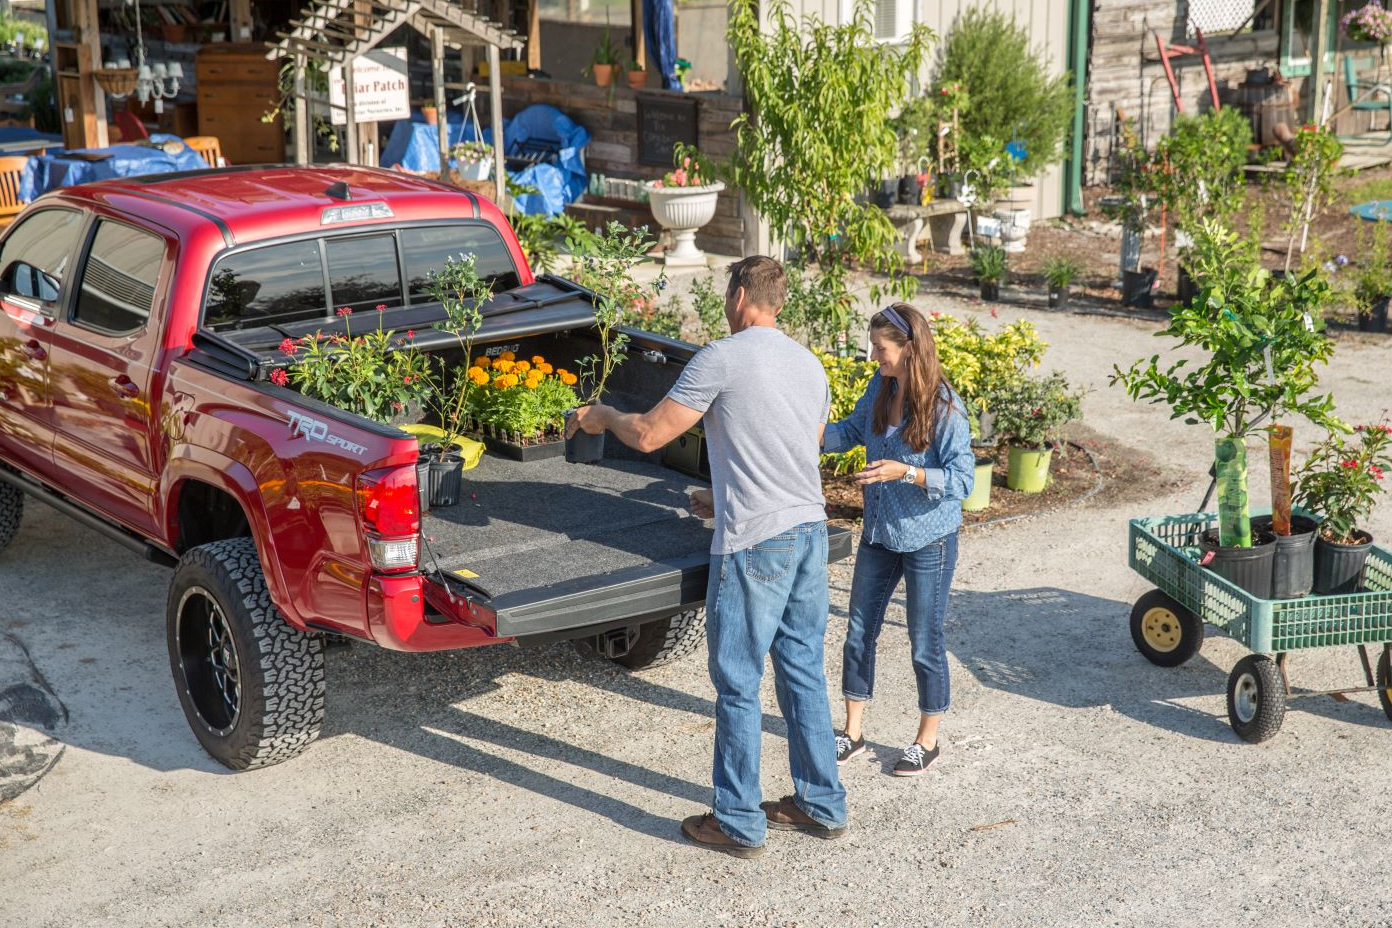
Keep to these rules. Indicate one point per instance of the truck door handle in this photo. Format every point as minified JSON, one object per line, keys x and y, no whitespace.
{"x":124,"y":387}
{"x":34,"y":350}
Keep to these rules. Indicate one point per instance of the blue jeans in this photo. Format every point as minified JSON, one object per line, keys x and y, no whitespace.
{"x":771,"y":599}
{"x":927,"y":575}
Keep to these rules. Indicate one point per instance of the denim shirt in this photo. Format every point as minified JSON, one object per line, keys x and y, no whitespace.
{"x":906,"y":517}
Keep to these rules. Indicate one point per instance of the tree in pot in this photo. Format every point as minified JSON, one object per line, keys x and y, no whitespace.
{"x":1031,"y":413}
{"x":1341,"y":482}
{"x":1132,"y":201}
{"x":1059,"y":273}
{"x":1309,"y":184}
{"x":988,"y":267}
{"x":1260,"y":341}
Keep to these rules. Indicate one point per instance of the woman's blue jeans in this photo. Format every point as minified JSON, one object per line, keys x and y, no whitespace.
{"x":771,"y":600}
{"x":927,"y":575}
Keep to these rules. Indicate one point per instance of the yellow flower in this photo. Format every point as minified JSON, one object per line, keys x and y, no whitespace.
{"x":503,"y":365}
{"x":569,"y":379}
{"x":478,"y":375}
{"x":532,"y":384}
{"x":481,"y":361}
{"x":538,"y":360}
{"x":521,"y":367}
{"x":508,"y":356}
{"x":544,"y":367}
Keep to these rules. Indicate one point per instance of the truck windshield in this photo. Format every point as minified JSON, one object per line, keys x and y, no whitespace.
{"x":311,"y":278}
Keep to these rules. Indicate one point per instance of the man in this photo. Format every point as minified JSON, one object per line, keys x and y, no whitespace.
{"x":765,"y":401}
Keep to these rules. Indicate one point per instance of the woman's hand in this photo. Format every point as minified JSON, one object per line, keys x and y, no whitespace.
{"x":882,"y":472}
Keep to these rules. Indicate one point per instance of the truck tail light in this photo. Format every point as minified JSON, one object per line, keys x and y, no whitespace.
{"x":389,"y":505}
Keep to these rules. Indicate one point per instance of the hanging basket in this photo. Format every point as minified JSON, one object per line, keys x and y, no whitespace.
{"x":116,"y":81}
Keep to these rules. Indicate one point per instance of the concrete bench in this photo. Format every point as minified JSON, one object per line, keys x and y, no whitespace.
{"x":946,"y":220}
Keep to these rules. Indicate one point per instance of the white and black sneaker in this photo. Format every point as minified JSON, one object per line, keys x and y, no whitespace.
{"x":846,"y":748}
{"x":915,"y":760}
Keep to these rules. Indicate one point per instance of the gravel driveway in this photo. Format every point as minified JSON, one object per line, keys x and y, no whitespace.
{"x":1079,"y":785}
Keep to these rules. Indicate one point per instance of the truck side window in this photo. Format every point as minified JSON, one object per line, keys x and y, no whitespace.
{"x":35,"y":257}
{"x":278,"y":283}
{"x":425,"y":249}
{"x":118,"y":280}
{"x":363,"y":273}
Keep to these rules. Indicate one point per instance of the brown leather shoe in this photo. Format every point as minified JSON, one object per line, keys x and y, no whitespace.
{"x":786,"y":815}
{"x":705,"y":831}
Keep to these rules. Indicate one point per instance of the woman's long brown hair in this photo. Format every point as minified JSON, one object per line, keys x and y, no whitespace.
{"x":922,"y":384}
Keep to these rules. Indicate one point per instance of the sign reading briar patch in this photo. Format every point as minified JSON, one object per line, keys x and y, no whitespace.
{"x":381,"y":90}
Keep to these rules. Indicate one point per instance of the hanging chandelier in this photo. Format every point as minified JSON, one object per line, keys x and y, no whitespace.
{"x":158,"y":81}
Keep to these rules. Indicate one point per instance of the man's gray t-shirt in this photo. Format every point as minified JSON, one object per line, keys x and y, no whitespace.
{"x":765,"y":398}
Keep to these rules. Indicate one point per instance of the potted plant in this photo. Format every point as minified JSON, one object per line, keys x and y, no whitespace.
{"x":431,"y":114}
{"x":607,"y":272}
{"x":637,"y":75}
{"x":603,"y":61}
{"x":683,"y":201}
{"x":1341,"y":481}
{"x":473,"y":160}
{"x":988,"y":267}
{"x":1059,"y":273}
{"x":1132,"y":201}
{"x":1259,"y":342}
{"x":1373,"y":282}
{"x":983,"y":448}
{"x":518,"y":407}
{"x":1031,"y":412}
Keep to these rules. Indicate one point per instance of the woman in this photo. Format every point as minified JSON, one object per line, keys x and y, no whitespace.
{"x":920,"y":468}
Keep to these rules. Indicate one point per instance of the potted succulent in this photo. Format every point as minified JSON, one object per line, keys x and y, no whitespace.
{"x":1031,"y":413}
{"x":1260,"y":341}
{"x":473,"y":160}
{"x":607,"y":272}
{"x":683,"y":201}
{"x":603,"y":62}
{"x":1341,"y":481}
{"x":988,"y":266}
{"x":637,"y":75}
{"x":1059,"y":273}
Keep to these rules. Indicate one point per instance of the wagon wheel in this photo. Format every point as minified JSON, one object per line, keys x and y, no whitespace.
{"x":1256,"y":698}
{"x":1384,"y":682}
{"x":1164,"y":631}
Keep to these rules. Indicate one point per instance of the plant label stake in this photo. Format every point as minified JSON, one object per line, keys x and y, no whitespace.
{"x":1279,"y":447}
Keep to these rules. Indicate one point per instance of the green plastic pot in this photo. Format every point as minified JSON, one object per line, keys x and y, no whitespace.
{"x":980,"y":497}
{"x":1029,"y":469}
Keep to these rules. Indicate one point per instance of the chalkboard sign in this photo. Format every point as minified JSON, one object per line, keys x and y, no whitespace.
{"x":662,"y":123}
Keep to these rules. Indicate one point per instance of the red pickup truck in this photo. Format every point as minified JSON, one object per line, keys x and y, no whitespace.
{"x":140,"y":326}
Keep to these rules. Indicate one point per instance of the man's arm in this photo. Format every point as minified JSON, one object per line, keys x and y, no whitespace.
{"x":647,"y":431}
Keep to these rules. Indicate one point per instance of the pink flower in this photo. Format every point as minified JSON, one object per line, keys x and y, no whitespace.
{"x":381,"y":307}
{"x":345,"y":311}
{"x":410,"y":333}
{"x":279,"y":377}
{"x":287,"y":347}
{"x":658,"y":183}
{"x":397,"y":407}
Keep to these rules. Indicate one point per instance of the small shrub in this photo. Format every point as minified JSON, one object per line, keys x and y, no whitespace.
{"x":988,"y":263}
{"x":1032,"y":411}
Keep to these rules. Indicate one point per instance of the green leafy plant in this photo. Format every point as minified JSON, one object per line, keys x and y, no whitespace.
{"x":1013,"y":97}
{"x":604,"y":54}
{"x":804,"y":175}
{"x":1342,"y":480}
{"x":690,"y":168}
{"x":660,"y":320}
{"x":1372,"y":280}
{"x":461,"y":293}
{"x":1032,"y":411}
{"x":519,"y":400}
{"x":1060,"y":272}
{"x":710,"y":309}
{"x":1198,"y":168}
{"x":1133,"y":199}
{"x":987,"y":263}
{"x":607,"y":271}
{"x":316,"y":77}
{"x":541,"y":236}
{"x":820,"y":309}
{"x":1309,"y":182}
{"x":375,"y":374}
{"x":978,"y":363}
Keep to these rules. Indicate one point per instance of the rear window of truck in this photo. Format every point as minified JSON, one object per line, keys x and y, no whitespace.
{"x":311,"y":278}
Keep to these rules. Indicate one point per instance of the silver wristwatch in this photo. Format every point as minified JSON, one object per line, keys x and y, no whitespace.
{"x":910,"y":475}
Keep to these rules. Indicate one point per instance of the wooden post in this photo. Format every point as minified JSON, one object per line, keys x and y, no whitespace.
{"x":239,"y":18}
{"x":437,"y":78}
{"x":87,"y":31}
{"x":640,"y":42}
{"x":350,"y":98}
{"x":304,"y":153}
{"x":1320,"y":39}
{"x":495,"y":112}
{"x":533,"y":35}
{"x":367,"y":131}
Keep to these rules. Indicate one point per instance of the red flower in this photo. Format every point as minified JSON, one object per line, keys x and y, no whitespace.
{"x":410,"y":333}
{"x":381,"y":307}
{"x":995,"y":314}
{"x":407,"y":379}
{"x":279,"y":377}
{"x":345,"y":311}
{"x":1352,"y":465}
{"x":287,"y":347}
{"x":397,"y":407}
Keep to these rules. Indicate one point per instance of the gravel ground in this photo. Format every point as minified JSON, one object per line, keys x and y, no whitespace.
{"x":1078,"y":785}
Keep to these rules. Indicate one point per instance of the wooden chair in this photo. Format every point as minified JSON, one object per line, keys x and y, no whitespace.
{"x":11,"y":173}
{"x":208,"y":146}
{"x":1376,"y":98}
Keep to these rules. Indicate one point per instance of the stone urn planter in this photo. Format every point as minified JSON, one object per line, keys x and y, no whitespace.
{"x":682,"y":211}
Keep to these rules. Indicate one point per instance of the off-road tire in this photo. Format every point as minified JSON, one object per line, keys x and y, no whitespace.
{"x":11,"y":513}
{"x":279,"y":675}
{"x":666,"y":640}
{"x":1256,"y":698}
{"x":1166,"y":633}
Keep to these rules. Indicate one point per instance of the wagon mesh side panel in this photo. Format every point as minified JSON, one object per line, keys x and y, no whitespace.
{"x":1158,"y":553}
{"x":1325,"y":621}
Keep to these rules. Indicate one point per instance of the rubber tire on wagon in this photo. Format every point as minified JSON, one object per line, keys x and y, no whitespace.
{"x":11,"y":513}
{"x":1166,"y":633}
{"x":1384,"y":682}
{"x":251,"y":685}
{"x":1256,"y":698}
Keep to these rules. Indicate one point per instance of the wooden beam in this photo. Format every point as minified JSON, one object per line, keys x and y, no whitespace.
{"x":533,"y":35}
{"x":437,"y":79}
{"x":495,"y":113}
{"x":303,"y":140}
{"x":640,"y":42}
{"x":350,"y":96}
{"x":239,"y":18}
{"x":1317,"y":69}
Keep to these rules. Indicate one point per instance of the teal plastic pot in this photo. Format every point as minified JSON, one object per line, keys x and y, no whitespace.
{"x":1028,"y":471}
{"x":980,"y":497}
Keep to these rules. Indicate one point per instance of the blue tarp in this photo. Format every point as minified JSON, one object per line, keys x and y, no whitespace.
{"x":659,"y":27}
{"x":415,"y":144}
{"x":43,"y":173}
{"x":545,"y":132}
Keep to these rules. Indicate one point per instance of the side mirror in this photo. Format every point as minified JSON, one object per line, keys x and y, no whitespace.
{"x":25,"y":280}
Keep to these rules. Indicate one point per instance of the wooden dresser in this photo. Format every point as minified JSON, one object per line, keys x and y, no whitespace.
{"x":235,"y":85}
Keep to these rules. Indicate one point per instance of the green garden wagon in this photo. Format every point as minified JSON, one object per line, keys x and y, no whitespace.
{"x":1167,"y":623}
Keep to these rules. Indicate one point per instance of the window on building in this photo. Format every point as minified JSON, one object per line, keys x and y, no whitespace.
{"x":118,"y":279}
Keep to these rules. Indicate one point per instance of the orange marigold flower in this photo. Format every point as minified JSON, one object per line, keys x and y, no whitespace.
{"x":538,"y":360}
{"x":508,"y":356}
{"x":478,"y":375}
{"x":521,"y":367}
{"x":569,"y":379}
{"x":503,"y":365}
{"x":481,"y":361}
{"x":545,"y":368}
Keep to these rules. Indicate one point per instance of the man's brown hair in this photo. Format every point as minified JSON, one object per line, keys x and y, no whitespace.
{"x":763,"y":279}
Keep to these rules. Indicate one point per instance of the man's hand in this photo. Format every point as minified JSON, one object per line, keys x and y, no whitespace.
{"x":882,"y":472}
{"x":593,"y":419}
{"x":702,"y":504}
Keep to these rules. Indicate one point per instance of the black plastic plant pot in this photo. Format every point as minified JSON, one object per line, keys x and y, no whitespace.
{"x":584,"y":448}
{"x":1339,"y":568}
{"x":1137,"y":288}
{"x":1293,"y":570}
{"x":1246,"y":568}
{"x":1058,"y":297}
{"x":423,"y":480}
{"x":446,"y":480}
{"x":1374,"y":319}
{"x":910,"y":190}
{"x":885,"y":193}
{"x":990,"y":291}
{"x":1185,"y":287}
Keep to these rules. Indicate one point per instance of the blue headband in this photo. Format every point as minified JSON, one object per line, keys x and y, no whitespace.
{"x":896,"y":320}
